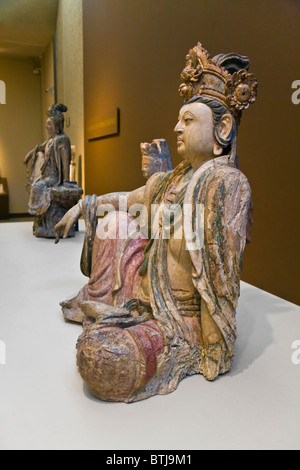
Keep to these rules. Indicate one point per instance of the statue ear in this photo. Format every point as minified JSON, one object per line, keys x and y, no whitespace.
{"x":224,"y":130}
{"x":225,"y":126}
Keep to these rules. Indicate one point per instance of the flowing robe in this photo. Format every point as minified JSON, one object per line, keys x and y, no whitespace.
{"x":217,"y":209}
{"x":47,"y":171}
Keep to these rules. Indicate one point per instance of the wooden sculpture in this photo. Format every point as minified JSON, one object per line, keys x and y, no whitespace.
{"x":51,"y":192}
{"x":163,"y":288}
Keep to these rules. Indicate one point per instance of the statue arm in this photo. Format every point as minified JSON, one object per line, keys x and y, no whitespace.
{"x":224,"y":202}
{"x":30,"y":155}
{"x":65,"y":163}
{"x":74,"y":214}
{"x":227,"y":228}
{"x":63,"y":149}
{"x":136,"y":196}
{"x":42,"y":147}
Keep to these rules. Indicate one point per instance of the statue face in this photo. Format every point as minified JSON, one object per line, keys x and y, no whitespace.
{"x":50,"y":127}
{"x":195,"y":142}
{"x":150,"y":165}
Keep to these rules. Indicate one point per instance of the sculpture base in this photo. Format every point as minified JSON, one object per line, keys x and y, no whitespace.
{"x":63,"y":199}
{"x":43,"y":226}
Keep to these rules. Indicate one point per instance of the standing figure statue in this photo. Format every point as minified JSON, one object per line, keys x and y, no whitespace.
{"x":51,"y":192}
{"x":163,"y":288}
{"x":156,"y":157}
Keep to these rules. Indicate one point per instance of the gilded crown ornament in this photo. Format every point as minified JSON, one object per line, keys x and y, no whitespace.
{"x":224,"y":78}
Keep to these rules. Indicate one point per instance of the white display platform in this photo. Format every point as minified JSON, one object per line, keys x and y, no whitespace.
{"x":44,"y":404}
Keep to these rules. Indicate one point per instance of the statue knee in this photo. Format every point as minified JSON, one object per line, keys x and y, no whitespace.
{"x":116,"y":363}
{"x":115,"y":225}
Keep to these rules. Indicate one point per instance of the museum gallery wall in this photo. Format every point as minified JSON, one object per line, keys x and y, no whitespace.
{"x":133,"y":53}
{"x":132,"y":57}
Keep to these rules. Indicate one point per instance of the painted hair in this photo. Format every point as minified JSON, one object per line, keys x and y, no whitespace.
{"x":56,"y":113}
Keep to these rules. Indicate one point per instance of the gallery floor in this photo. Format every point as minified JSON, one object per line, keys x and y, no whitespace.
{"x":44,"y":404}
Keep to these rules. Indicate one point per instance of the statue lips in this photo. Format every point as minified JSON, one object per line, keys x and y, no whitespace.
{"x":179,"y":142}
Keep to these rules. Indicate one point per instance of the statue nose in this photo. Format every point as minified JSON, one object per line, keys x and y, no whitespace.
{"x":178,"y":128}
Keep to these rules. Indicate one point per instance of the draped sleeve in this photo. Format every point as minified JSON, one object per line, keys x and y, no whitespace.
{"x":219,"y":199}
{"x":91,"y":221}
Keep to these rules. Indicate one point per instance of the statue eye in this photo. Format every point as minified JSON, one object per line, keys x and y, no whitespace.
{"x":187,"y":120}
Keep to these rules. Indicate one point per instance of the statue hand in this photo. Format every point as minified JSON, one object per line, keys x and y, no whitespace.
{"x":66,"y":223}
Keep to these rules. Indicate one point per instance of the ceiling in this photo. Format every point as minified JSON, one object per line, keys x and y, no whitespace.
{"x":26,"y":27}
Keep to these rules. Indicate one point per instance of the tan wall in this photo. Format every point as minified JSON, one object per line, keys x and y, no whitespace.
{"x":69,"y":56}
{"x":134,"y":52}
{"x":48,"y":83}
{"x":20,"y":126}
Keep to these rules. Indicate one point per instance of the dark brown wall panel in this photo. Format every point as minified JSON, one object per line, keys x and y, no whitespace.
{"x":134,"y":51}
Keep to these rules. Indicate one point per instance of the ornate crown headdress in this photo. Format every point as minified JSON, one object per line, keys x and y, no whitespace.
{"x":224,"y":78}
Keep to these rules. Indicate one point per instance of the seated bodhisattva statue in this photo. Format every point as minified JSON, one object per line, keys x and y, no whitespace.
{"x":48,"y":166}
{"x":164,"y":264}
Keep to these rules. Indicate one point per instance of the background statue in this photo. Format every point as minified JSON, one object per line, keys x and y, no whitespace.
{"x":160,"y":304}
{"x":48,"y":170}
{"x":156,"y":157}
